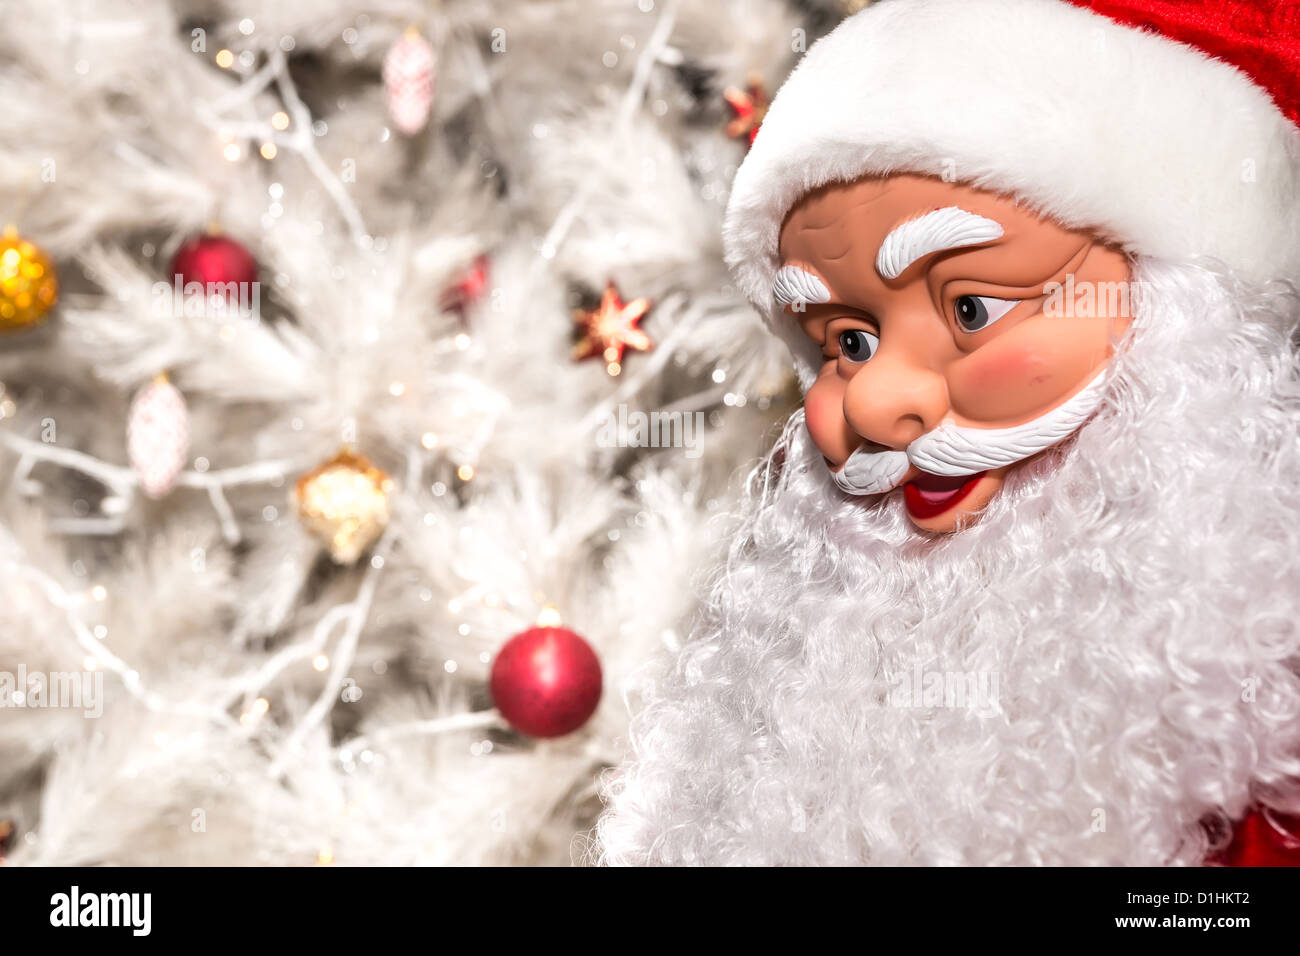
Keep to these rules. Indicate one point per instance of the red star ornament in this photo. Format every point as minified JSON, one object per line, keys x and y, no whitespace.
{"x":611,"y":328}
{"x":468,"y":288}
{"x":749,"y":106}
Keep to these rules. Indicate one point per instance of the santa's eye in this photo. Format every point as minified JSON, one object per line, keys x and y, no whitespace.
{"x":858,"y":345}
{"x":975,"y":312}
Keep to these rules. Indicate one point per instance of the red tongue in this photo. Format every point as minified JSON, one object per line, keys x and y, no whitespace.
{"x":929,"y":495}
{"x":939,"y":483}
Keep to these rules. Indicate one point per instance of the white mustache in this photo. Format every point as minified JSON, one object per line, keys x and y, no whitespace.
{"x":955,"y":450}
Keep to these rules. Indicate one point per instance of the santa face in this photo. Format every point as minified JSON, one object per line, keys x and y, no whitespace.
{"x":1098,"y":665}
{"x":949,"y":354}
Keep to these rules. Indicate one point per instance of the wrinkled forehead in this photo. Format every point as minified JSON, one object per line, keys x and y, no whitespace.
{"x":827,"y":205}
{"x":882,"y":200}
{"x":820,"y":224}
{"x":862,"y":217}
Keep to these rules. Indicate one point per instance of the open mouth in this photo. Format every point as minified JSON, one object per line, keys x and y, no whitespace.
{"x":929,"y":495}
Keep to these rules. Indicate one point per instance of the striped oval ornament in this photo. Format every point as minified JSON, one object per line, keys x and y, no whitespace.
{"x":409,"y":79}
{"x":158,"y":436}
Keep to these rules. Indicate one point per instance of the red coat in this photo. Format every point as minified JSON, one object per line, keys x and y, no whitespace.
{"x":1262,"y":839}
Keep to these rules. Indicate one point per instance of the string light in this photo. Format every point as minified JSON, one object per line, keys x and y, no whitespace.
{"x":320,"y":662}
{"x":429,"y":440}
{"x":268,"y":150}
{"x":256,"y":711}
{"x":225,"y":59}
{"x":549,"y":617}
{"x":280,"y":120}
{"x":462,"y":341}
{"x":396,"y":389}
{"x":99,"y":592}
{"x":232,"y":151}
{"x":465,"y":472}
{"x":325,"y":857}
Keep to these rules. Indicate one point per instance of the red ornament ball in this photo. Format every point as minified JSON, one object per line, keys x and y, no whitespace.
{"x":546,"y":681}
{"x":214,"y":259}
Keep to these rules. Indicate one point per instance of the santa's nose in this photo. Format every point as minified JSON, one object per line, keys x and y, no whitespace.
{"x":893,"y":400}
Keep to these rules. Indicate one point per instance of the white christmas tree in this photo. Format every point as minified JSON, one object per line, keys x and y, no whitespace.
{"x":253,"y":694}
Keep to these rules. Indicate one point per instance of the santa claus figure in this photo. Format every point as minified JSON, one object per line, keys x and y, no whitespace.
{"x":1020,"y":583}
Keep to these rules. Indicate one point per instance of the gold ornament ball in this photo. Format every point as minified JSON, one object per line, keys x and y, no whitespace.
{"x":29,"y":286}
{"x":344,"y":502}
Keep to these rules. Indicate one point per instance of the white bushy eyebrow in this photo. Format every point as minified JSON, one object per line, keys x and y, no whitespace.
{"x":794,"y":285}
{"x":947,"y":228}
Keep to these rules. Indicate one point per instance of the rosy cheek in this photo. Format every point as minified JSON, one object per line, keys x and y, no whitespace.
{"x":824,"y":412}
{"x":1008,"y":384}
{"x":1016,"y":367}
{"x":1023,"y":373}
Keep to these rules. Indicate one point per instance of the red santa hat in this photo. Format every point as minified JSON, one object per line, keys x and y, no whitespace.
{"x":1167,"y":127}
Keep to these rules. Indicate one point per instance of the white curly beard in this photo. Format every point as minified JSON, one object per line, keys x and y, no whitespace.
{"x":1131,"y":598}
